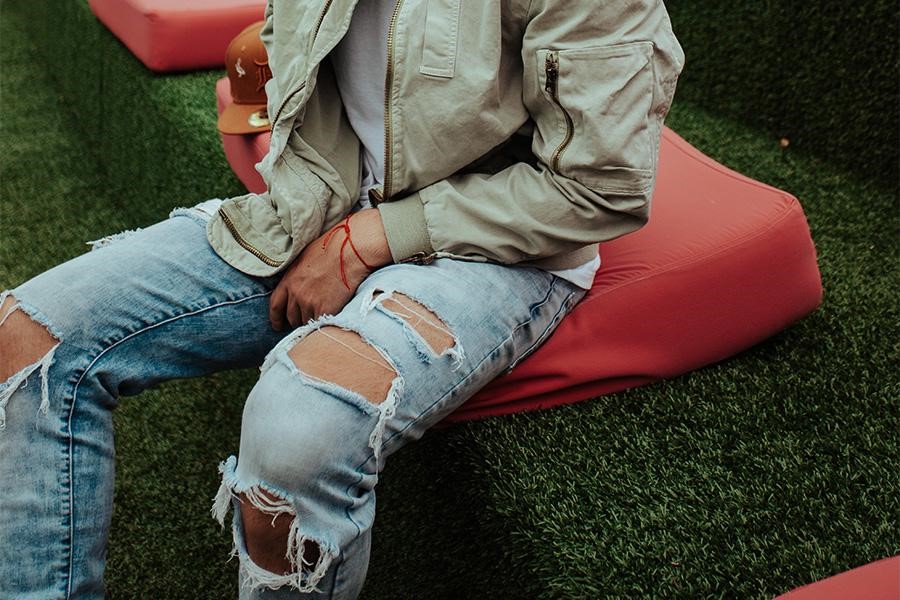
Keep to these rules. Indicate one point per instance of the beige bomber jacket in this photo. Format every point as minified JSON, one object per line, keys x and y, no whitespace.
{"x":516,"y":131}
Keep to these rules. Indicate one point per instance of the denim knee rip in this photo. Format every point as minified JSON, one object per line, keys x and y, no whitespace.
{"x":383,"y":410}
{"x":112,"y":239}
{"x":43,"y":364}
{"x":200,"y":213}
{"x":305,"y":575}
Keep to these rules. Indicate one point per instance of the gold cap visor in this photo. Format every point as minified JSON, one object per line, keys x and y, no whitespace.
{"x":241,"y":119}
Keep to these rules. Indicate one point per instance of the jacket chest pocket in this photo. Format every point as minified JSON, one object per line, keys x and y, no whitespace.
{"x":439,"y":49}
{"x":603,"y":97}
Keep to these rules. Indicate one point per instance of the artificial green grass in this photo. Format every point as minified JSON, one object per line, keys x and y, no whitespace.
{"x":150,"y":133}
{"x":822,"y":74}
{"x":772,"y":469}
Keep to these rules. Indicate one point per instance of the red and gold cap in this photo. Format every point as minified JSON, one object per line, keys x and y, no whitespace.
{"x":248,"y":71}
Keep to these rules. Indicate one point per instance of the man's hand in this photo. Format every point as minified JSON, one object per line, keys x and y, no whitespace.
{"x":313,"y":286}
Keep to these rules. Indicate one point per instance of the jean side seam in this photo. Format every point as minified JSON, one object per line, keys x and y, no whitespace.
{"x":71,"y":449}
{"x":546,"y":333}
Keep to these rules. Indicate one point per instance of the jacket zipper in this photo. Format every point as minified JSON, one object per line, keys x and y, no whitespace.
{"x":285,"y":101}
{"x":551,"y":68}
{"x":303,"y":85}
{"x":388,"y":83}
{"x":245,"y":244}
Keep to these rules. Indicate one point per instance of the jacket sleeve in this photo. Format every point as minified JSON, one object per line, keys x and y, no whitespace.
{"x":598,"y":83}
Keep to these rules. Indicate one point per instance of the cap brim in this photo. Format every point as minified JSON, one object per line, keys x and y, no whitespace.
{"x":241,"y":119}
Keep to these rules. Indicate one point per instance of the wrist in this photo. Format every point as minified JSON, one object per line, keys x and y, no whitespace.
{"x":368,"y":235}
{"x":362,"y":247}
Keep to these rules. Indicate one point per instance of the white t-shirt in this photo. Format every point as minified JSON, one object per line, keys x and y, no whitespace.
{"x":360,"y":64}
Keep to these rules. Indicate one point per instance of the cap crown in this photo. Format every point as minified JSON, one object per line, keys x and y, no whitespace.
{"x":248,"y":67}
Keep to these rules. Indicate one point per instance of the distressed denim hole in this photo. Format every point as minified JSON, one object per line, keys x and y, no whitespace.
{"x":427,"y":324}
{"x":274,"y":549}
{"x":22,"y":340}
{"x":342,"y":357}
{"x":267,"y":536}
{"x":26,"y":346}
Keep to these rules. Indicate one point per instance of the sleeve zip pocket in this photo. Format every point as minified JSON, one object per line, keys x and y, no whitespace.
{"x":551,"y":74}
{"x":602,"y":97}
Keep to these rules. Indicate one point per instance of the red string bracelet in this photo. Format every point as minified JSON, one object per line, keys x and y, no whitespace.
{"x":345,"y":226}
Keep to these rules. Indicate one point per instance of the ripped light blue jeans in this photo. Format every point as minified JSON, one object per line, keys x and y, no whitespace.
{"x":159,"y":304}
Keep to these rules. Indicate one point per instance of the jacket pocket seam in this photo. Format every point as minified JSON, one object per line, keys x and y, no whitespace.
{"x":434,"y":63}
{"x":319,"y":200}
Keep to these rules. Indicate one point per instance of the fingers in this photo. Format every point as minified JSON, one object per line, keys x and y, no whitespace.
{"x":277,"y":305}
{"x":294,"y":314}
{"x":285,"y":310}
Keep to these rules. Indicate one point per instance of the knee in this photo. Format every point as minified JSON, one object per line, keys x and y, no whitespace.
{"x":26,"y":347}
{"x":324,"y":397}
{"x":23,"y":341}
{"x":302,"y":427}
{"x":277,"y":546}
{"x":305,"y":430}
{"x":344,"y":359}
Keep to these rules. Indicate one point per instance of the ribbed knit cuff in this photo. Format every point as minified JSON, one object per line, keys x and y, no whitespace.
{"x":405,"y":227}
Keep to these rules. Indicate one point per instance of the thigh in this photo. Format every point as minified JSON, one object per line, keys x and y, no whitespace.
{"x":339,"y":395}
{"x":491,"y":316}
{"x":158,"y":302}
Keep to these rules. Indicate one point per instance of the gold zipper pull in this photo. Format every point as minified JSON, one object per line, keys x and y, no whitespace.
{"x":419,"y":258}
{"x":551,"y":67}
{"x":376,"y":196}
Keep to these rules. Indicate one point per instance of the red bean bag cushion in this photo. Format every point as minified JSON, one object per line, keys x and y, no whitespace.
{"x":879,"y":580}
{"x":724,"y":263}
{"x":177,"y":35}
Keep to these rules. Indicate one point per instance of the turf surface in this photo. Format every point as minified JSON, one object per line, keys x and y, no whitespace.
{"x":745,"y":479}
{"x":823,"y":74}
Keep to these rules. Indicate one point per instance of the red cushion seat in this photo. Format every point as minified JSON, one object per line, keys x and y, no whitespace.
{"x":724,"y":263}
{"x":178,"y":35}
{"x":879,"y":580}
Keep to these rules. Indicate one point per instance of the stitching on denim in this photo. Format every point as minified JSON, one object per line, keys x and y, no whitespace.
{"x":337,"y":563}
{"x":71,"y":450}
{"x":530,"y":311}
{"x":482,"y":361}
{"x":545,"y":334}
{"x":349,"y":504}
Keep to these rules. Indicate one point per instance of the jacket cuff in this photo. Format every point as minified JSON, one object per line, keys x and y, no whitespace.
{"x":405,"y":228}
